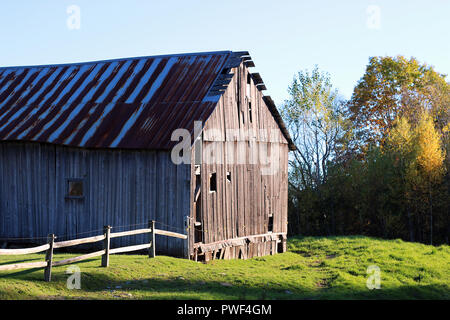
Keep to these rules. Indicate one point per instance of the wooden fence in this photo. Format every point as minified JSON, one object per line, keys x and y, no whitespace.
{"x":105,"y":237}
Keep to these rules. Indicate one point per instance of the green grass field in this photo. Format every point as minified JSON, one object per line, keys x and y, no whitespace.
{"x":313,"y":268}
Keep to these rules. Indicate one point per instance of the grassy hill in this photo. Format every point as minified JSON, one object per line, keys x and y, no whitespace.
{"x":313,"y":268}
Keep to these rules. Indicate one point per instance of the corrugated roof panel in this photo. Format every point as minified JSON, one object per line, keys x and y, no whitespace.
{"x":124,"y":103}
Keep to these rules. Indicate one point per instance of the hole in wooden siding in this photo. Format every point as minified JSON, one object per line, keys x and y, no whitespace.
{"x":213,"y":182}
{"x":270,"y":223}
{"x":228,"y":176}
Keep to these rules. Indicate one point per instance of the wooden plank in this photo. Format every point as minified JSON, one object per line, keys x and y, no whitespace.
{"x":222,"y":252}
{"x":249,"y":63}
{"x":186,"y":251}
{"x":283,"y":246}
{"x":24,"y":251}
{"x":244,"y":251}
{"x":170,"y":234}
{"x":195,"y":255}
{"x":170,"y":202}
{"x":130,"y":233}
{"x":79,"y":258}
{"x":252,"y":237}
{"x":207,"y":256}
{"x":235,"y":252}
{"x":70,"y":243}
{"x":226,"y":255}
{"x":130,"y":248}
{"x":26,"y":265}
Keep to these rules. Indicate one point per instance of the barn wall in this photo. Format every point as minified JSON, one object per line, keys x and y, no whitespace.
{"x":121,"y":188}
{"x":242,"y":207}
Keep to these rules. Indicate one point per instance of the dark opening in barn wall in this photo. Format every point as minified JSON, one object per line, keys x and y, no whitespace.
{"x":213,"y":182}
{"x":270,"y":224}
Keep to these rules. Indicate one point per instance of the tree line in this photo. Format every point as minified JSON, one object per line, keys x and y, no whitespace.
{"x":376,"y":164}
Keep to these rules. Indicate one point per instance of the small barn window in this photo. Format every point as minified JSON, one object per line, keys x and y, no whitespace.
{"x":213,"y":182}
{"x":228,"y":176}
{"x":75,"y":189}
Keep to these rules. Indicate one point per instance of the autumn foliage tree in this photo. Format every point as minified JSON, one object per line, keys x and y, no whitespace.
{"x":382,"y":168}
{"x":427,"y":167}
{"x":392,"y":87}
{"x":418,"y":155}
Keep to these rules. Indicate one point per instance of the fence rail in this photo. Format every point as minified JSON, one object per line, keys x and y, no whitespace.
{"x":24,"y":251}
{"x":106,"y":237}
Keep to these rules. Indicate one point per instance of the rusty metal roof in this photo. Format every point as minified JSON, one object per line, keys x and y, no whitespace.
{"x":133,"y":103}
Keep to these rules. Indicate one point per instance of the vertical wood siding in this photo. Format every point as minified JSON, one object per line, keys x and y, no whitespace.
{"x":242,"y":207}
{"x":120,"y":187}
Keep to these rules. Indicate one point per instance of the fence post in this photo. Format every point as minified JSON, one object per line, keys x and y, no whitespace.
{"x":106,"y":244}
{"x":151,"y":250}
{"x":187,"y":226}
{"x":49,"y":258}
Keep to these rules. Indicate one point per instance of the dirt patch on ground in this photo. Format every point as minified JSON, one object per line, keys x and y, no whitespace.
{"x":302,"y":253}
{"x":323,"y":284}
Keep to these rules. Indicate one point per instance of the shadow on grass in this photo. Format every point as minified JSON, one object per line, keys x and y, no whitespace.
{"x":32,"y":272}
{"x":104,"y":286}
{"x":21,"y":260}
{"x":22,"y":273}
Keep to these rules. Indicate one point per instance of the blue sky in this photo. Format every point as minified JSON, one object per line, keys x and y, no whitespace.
{"x":283,"y":37}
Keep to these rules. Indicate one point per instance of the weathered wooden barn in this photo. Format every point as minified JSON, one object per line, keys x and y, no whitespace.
{"x":86,"y":145}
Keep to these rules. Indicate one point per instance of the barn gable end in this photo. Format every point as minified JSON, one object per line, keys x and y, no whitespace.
{"x":240,"y":200}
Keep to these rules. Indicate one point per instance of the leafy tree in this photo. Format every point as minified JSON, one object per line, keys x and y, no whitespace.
{"x":315,"y":119}
{"x":401,"y":149}
{"x":391,"y":87}
{"x":427,"y":168}
{"x":430,"y":156}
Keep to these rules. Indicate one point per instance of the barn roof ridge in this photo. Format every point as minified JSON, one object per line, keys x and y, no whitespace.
{"x":169,"y":55}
